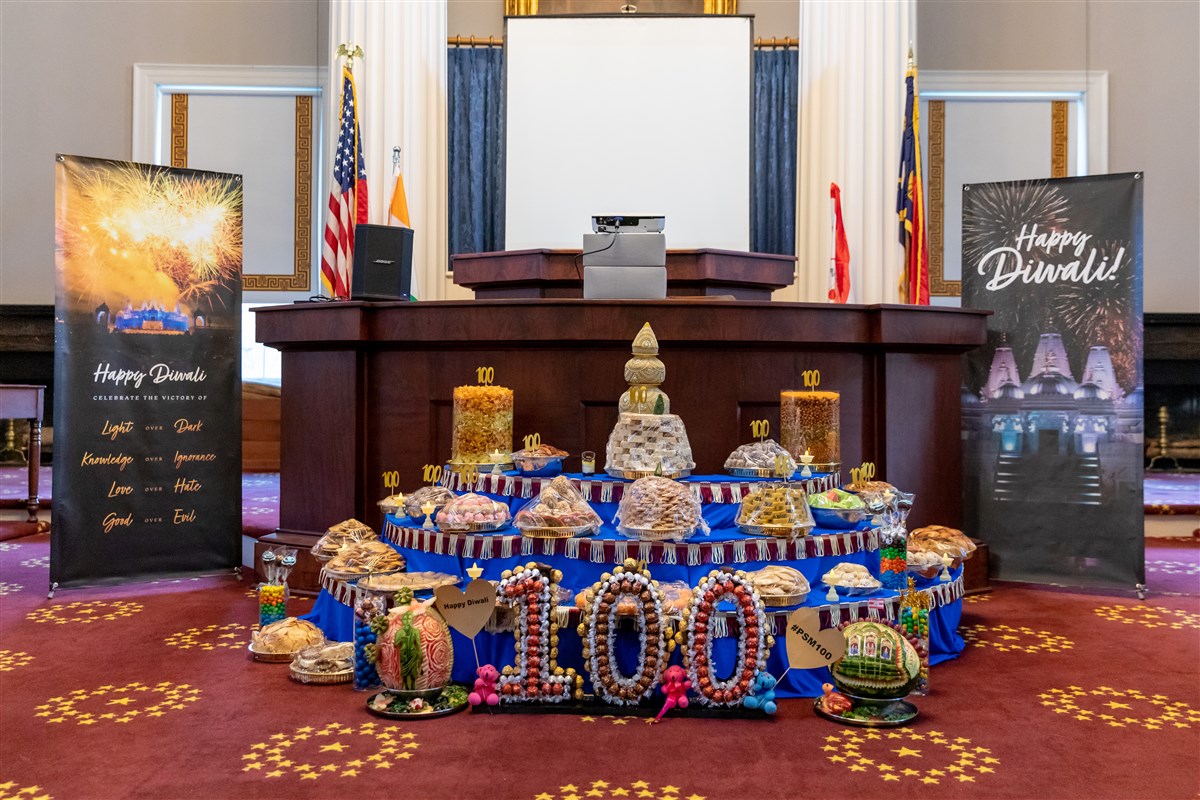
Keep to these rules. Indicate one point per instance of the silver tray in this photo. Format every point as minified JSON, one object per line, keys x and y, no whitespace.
{"x":757,"y":471}
{"x":418,"y":715}
{"x":634,"y":474}
{"x":908,"y":708}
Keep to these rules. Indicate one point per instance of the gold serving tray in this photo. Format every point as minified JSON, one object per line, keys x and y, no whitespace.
{"x":476,"y":527}
{"x":654,"y":534}
{"x":326,"y":678}
{"x":781,"y":600}
{"x":778,"y":531}
{"x":558,"y":533}
{"x":271,"y":658}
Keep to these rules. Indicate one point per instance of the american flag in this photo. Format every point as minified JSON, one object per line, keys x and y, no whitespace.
{"x":347,"y":198}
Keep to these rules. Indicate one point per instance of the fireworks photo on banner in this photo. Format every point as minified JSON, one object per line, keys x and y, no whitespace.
{"x":148,"y":248}
{"x":1100,"y":313}
{"x":1053,"y":427}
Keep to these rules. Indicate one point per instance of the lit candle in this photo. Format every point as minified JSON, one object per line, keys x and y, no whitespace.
{"x":475,"y":571}
{"x":497,"y":458}
{"x":946,"y":562}
{"x":806,"y":459}
{"x":831,"y":595}
{"x":427,"y":509}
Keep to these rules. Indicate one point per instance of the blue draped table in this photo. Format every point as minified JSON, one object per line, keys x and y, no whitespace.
{"x":582,"y":561}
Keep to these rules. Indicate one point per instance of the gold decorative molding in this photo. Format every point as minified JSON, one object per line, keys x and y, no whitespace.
{"x":179,"y":130}
{"x":520,"y":8}
{"x":720,"y":6}
{"x":1058,"y":138}
{"x":938,"y":285}
{"x":299,"y":280}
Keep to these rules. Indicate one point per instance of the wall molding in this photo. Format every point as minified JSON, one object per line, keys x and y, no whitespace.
{"x":1087,"y":87}
{"x":153,"y":84}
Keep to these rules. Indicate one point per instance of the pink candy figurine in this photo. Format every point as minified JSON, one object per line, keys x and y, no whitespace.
{"x":675,"y":687}
{"x":485,"y":687}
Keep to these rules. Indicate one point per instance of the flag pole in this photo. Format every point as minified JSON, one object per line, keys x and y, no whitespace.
{"x":832,"y":251}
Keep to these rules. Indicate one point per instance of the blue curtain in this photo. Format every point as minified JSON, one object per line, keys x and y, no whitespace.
{"x":476,"y":141}
{"x":776,"y":74}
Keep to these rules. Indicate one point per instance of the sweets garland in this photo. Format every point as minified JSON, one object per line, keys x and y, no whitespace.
{"x":753,"y":644}
{"x":532,"y":591}
{"x":598,"y":630}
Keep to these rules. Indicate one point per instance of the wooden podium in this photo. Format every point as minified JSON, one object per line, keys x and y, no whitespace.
{"x":558,"y":273}
{"x":367,"y":387}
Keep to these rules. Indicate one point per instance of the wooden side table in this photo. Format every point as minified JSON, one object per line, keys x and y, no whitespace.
{"x":25,"y":402}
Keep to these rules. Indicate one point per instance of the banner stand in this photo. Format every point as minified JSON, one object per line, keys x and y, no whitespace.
{"x":147,"y":407}
{"x":1053,"y":430}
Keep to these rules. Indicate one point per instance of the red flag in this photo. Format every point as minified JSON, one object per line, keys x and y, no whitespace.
{"x":347,"y":197}
{"x":839,"y":263}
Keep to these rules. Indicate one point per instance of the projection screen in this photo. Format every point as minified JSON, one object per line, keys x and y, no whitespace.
{"x":628,"y":115}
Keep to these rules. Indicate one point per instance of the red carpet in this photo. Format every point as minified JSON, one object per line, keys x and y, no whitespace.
{"x":146,"y":691}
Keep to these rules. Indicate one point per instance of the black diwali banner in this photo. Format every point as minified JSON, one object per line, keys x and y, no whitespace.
{"x":1052,"y":411}
{"x":147,"y":401}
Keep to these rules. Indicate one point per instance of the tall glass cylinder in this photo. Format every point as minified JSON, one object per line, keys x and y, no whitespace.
{"x":811,"y":422}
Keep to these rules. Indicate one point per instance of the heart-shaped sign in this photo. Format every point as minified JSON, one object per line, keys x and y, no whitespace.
{"x":807,"y":645}
{"x":467,"y":612}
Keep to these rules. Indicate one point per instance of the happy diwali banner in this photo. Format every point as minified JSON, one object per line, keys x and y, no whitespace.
{"x":147,"y":411}
{"x":1052,"y":413}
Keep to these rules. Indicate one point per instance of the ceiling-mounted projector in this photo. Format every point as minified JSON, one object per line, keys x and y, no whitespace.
{"x":629,"y":223}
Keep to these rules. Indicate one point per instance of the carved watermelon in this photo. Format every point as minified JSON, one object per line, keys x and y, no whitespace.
{"x":879,"y":662}
{"x":400,"y":669}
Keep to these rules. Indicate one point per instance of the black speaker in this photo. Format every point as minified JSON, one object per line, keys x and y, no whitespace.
{"x":382,"y":263}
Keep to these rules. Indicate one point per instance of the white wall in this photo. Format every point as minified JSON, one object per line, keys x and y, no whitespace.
{"x":1149,"y":49}
{"x":66,"y":77}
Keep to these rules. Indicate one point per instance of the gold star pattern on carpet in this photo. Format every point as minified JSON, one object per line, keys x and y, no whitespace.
{"x":118,"y":704}
{"x":6,"y":546}
{"x":211,"y":637}
{"x":1149,"y":616}
{"x":13,"y":659}
{"x":617,"y":720}
{"x":84,"y":612}
{"x":1120,"y":708}
{"x":41,"y":562}
{"x":332,"y":751}
{"x":7,"y":588}
{"x":978,"y":598}
{"x":930,"y":758}
{"x":10,"y":791}
{"x":603,"y":790}
{"x":1009,"y":638}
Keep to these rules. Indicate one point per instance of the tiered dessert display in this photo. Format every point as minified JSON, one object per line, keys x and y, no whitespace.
{"x":647,"y":439}
{"x":683,"y":615}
